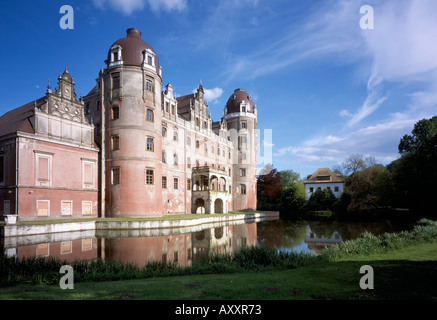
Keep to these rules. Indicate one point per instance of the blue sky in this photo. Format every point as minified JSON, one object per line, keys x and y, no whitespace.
{"x":325,"y":88}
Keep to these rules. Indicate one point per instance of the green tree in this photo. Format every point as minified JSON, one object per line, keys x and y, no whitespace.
{"x":289,"y":177}
{"x":415,"y":173}
{"x":293,"y":197}
{"x":322,"y":200}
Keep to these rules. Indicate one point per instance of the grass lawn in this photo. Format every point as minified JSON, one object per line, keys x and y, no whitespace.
{"x":180,"y":216}
{"x":402,"y":274}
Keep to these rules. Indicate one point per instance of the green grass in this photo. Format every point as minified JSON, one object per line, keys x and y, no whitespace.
{"x":165,"y":217}
{"x":401,"y":274}
{"x":404,"y":265}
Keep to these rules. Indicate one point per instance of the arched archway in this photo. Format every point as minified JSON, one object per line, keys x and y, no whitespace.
{"x":218,"y":206}
{"x":200,"y":206}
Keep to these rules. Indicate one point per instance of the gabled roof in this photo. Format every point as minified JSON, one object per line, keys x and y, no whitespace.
{"x":324,"y":175}
{"x":18,"y":119}
{"x":184,"y":103}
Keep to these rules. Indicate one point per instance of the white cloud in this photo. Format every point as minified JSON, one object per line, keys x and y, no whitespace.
{"x":127,"y":7}
{"x":167,"y":5}
{"x":211,"y":95}
{"x":375,"y":140}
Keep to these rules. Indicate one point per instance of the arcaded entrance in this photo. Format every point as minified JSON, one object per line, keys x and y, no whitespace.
{"x":200,"y":206}
{"x":210,"y":191}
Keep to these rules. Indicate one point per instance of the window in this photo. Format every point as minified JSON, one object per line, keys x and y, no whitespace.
{"x":149,"y":144}
{"x":43,"y":208}
{"x":164,"y":131}
{"x":175,"y":136}
{"x":115,"y":176}
{"x":66,"y":208}
{"x":149,"y":176}
{"x":243,"y":189}
{"x":87,"y":174}
{"x":172,"y":109}
{"x":188,"y":141}
{"x":243,"y":156}
{"x":175,"y":159}
{"x":149,"y":86}
{"x":311,"y":189}
{"x":197,"y":144}
{"x":176,"y":183}
{"x":149,"y":115}
{"x":188,"y":163}
{"x":115,"y":81}
{"x":98,"y":103}
{"x":166,"y":107}
{"x":115,"y":113}
{"x":336,"y":189}
{"x":164,"y":157}
{"x":323,"y":178}
{"x":242,"y":172}
{"x":115,"y":143}
{"x":243,"y":124}
{"x":243,"y":109}
{"x":164,"y":182}
{"x":197,"y":163}
{"x":205,"y":125}
{"x":87,"y":208}
{"x":87,"y":109}
{"x":43,"y":169}
{"x":197,"y":122}
{"x":149,"y":60}
{"x":188,"y":184}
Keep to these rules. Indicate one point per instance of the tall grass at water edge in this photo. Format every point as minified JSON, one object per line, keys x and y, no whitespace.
{"x":45,"y":271}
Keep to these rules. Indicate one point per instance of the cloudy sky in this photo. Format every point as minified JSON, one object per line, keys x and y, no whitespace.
{"x":325,"y":87}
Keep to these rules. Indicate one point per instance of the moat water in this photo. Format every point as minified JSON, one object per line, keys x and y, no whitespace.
{"x":142,"y":246}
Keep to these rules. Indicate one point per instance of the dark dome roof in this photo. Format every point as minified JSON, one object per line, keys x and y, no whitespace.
{"x":233,"y":104}
{"x":132,"y":48}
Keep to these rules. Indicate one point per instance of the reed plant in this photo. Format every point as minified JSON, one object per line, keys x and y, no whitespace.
{"x":367,"y":243}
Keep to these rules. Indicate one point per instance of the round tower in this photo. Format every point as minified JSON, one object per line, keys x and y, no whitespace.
{"x":132,"y":126}
{"x":241,"y":120}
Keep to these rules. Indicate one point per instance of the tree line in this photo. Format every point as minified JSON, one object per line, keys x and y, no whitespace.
{"x":409,"y":182}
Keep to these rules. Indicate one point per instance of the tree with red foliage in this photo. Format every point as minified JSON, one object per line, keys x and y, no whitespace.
{"x":269,"y":190}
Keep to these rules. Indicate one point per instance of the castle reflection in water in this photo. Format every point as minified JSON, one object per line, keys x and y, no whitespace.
{"x":138,"y":247}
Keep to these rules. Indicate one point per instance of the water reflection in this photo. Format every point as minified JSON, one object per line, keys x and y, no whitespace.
{"x":315,"y":236}
{"x":182,"y":247}
{"x":139,"y":249}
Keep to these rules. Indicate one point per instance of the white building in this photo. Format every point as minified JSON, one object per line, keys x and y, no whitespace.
{"x":322,"y":179}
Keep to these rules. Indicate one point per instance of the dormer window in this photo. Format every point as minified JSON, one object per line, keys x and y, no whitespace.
{"x":115,"y":58}
{"x":149,"y":59}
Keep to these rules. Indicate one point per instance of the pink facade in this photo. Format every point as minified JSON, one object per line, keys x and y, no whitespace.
{"x":130,"y":148}
{"x":49,"y":164}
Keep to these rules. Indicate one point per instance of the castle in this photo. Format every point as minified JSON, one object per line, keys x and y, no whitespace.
{"x":129,"y":148}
